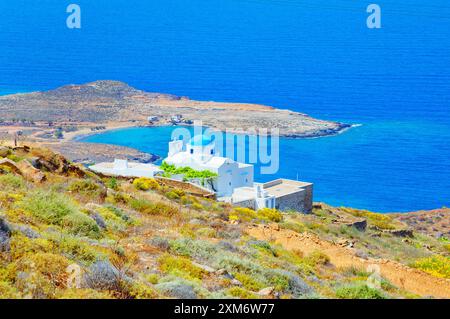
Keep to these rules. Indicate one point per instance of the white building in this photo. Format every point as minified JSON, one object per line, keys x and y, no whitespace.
{"x":234,"y":183}
{"x":200,"y":154}
{"x":126,"y":169}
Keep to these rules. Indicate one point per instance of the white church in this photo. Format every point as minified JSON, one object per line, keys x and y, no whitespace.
{"x":200,"y":154}
{"x":234,"y":182}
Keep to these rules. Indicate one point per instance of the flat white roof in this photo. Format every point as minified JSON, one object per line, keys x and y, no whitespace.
{"x":282,"y":187}
{"x":132,"y":169}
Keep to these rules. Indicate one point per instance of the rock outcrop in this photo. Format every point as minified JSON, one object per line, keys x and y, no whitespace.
{"x":25,"y":169}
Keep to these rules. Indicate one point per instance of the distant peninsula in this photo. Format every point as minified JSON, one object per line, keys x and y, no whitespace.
{"x":56,"y":117}
{"x":101,"y":102}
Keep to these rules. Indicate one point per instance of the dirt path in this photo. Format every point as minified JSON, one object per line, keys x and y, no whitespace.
{"x":404,"y":277}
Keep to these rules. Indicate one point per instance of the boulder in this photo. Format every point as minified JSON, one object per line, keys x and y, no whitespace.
{"x":360,"y":224}
{"x":401,"y":232}
{"x":275,"y":227}
{"x":297,"y":285}
{"x":11,"y":165}
{"x":345,"y":243}
{"x":206,"y":268}
{"x":56,"y":163}
{"x":226,"y":245}
{"x":236,"y":282}
{"x":4,"y":151}
{"x":25,"y":169}
{"x":98,"y":220}
{"x":5,"y":234}
{"x":318,"y":205}
{"x":224,"y":273}
{"x":160,"y":242}
{"x":266,"y":292}
{"x":102,"y":275}
{"x":26,"y":231}
{"x":92,"y":206}
{"x":30,"y":173}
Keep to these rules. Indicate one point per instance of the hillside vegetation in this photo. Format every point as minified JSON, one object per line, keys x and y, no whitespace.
{"x":68,"y":233}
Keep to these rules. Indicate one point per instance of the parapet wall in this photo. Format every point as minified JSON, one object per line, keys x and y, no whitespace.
{"x":189,"y":188}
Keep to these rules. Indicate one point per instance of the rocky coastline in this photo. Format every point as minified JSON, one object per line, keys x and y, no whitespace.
{"x":59,"y":117}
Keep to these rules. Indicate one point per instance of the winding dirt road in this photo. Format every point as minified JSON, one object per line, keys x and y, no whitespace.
{"x":404,"y":277}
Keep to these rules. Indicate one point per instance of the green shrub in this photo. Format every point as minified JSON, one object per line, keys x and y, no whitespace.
{"x":83,"y":294}
{"x":8,"y":291}
{"x":241,"y":293}
{"x":81,"y":224}
{"x":137,"y":290}
{"x":10,"y":182}
{"x":145,"y":184}
{"x":247,"y":214}
{"x":140,"y":205}
{"x":119,"y":198}
{"x":42,"y":274}
{"x":270,"y":214}
{"x":50,"y":207}
{"x":21,"y":246}
{"x":112,"y":183}
{"x":189,"y":173}
{"x":193,"y":248}
{"x":161,"y":209}
{"x":294,"y":226}
{"x":114,"y":218}
{"x":57,"y":209}
{"x":180,"y":267}
{"x":207,"y":232}
{"x":242,"y":214}
{"x":146,"y":207}
{"x":437,"y":265}
{"x":248,"y":282}
{"x":14,"y":158}
{"x":152,"y":278}
{"x":84,"y":186}
{"x":186,"y":200}
{"x":172,"y":195}
{"x":447,"y":248}
{"x":317,"y":258}
{"x":263,"y":246}
{"x":278,"y":280}
{"x":235,"y":264}
{"x":76,"y":249}
{"x":198,"y":206}
{"x":360,"y":291}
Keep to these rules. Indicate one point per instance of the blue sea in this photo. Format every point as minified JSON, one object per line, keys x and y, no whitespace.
{"x":316,"y":57}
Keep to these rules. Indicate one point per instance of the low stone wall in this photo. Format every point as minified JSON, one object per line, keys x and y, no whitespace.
{"x":300,"y":201}
{"x":246,"y":203}
{"x":272,"y":183}
{"x":186,"y":186}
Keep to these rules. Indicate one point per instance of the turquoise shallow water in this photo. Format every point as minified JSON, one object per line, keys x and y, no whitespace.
{"x":351,"y":169}
{"x":315,"y":57}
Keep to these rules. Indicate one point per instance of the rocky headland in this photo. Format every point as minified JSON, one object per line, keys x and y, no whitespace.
{"x":56,"y":118}
{"x":103,"y":102}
